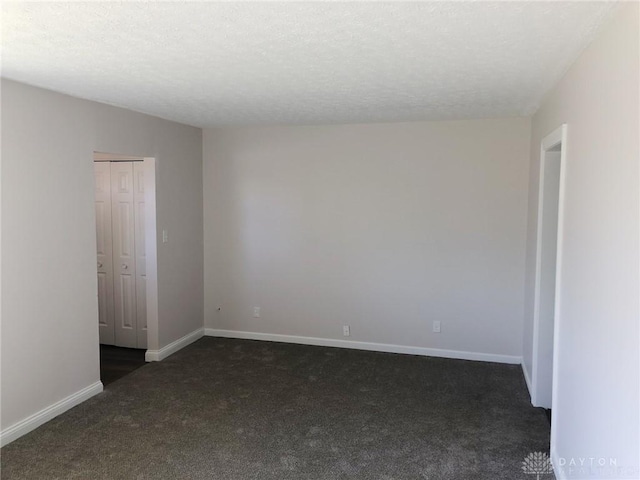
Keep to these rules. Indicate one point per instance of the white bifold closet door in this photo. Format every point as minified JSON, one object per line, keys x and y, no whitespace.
{"x":121,"y":253}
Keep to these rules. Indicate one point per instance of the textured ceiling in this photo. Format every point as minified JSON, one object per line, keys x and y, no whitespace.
{"x":212,"y":64}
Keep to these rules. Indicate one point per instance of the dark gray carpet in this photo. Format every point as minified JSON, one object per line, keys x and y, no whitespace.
{"x":240,"y":409}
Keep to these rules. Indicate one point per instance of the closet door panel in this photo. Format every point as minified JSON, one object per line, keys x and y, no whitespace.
{"x":106,"y":325}
{"x":124,"y":264}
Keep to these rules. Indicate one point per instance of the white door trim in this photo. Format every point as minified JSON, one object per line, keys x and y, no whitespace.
{"x":140,"y":255}
{"x":558,"y":136}
{"x":151,"y":247}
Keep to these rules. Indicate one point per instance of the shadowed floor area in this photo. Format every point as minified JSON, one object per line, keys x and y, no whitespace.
{"x":116,"y":362}
{"x":242,"y":409}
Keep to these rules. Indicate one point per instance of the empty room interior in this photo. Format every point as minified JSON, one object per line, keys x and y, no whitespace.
{"x":320,"y":240}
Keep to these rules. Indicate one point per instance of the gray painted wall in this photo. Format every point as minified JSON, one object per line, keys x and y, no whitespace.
{"x":597,"y":413}
{"x":383,"y":227}
{"x":49,"y":299}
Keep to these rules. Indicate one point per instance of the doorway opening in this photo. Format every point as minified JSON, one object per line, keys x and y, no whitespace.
{"x":548,"y":270}
{"x":126,"y":261}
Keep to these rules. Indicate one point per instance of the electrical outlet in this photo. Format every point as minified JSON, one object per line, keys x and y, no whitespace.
{"x":436,"y":326}
{"x":256,"y":312}
{"x":346,"y":331}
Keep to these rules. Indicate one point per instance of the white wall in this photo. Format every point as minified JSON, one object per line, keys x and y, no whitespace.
{"x":596,"y":414}
{"x":383,"y":227}
{"x":49,"y":292}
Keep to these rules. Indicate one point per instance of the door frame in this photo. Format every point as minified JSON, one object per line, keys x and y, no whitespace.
{"x":151,"y":247}
{"x":151,"y":251}
{"x":555,"y":138}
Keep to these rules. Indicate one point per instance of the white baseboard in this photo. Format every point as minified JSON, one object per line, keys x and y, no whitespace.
{"x":527,"y":380}
{"x":34,"y":421}
{"x":173,"y":347}
{"x":376,"y":347}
